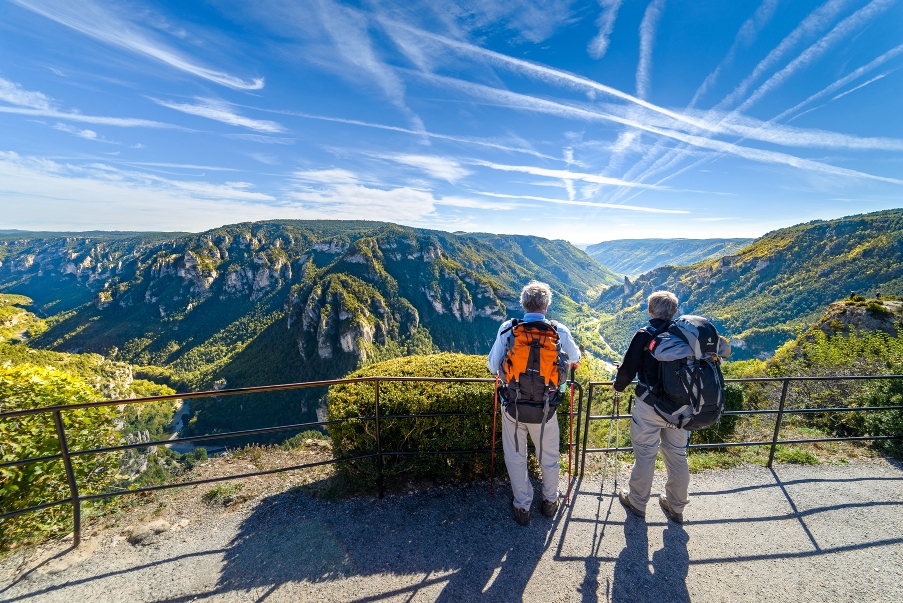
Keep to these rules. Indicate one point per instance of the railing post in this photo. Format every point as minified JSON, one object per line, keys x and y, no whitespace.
{"x":589,"y":406}
{"x":380,"y":487}
{"x":777,"y":423}
{"x":577,"y":440}
{"x":70,"y":477}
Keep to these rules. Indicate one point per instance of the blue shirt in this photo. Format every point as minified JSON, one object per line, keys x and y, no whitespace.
{"x":503,"y":343}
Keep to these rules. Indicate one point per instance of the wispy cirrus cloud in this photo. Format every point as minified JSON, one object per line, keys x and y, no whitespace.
{"x":598,"y":46}
{"x":122,"y":122}
{"x":840,"y":31}
{"x":442,"y":168}
{"x":14,"y":94}
{"x":559,"y":174}
{"x":41,"y":193}
{"x":86,"y":134}
{"x":648,"y":28}
{"x":38,"y":104}
{"x":90,"y":19}
{"x":223,"y":112}
{"x":540,"y":105}
{"x":847,"y":79}
{"x":348,"y":30}
{"x":461,"y":139}
{"x":814,"y":23}
{"x":745,"y":36}
{"x":651,"y":210}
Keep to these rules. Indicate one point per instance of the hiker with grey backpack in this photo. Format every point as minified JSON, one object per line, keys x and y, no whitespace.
{"x":679,"y":389}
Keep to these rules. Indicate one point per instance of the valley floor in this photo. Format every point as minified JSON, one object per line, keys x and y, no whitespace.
{"x":797,"y":533}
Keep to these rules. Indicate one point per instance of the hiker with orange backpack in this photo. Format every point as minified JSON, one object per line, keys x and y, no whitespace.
{"x":531,"y":358}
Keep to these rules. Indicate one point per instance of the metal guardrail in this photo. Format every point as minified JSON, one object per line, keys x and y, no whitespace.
{"x":583,"y":420}
{"x":593,"y":386}
{"x":377,"y":418}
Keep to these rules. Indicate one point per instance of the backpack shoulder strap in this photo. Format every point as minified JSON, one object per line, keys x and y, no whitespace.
{"x":653,"y":332}
{"x":514,"y":323}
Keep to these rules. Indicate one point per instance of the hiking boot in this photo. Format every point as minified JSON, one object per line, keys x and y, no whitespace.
{"x":521,"y":516}
{"x":622,"y":496}
{"x":550,"y":507}
{"x":671,"y":513}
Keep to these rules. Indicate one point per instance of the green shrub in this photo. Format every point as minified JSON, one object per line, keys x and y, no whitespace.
{"x":723,"y":430}
{"x":357,"y":437}
{"x":794,"y":455}
{"x":877,"y":308}
{"x":23,"y":387}
{"x":223,"y":494}
{"x":195,"y":457}
{"x":297,"y":441}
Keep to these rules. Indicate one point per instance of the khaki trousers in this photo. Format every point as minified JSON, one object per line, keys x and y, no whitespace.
{"x":647,"y":431}
{"x":516,"y":458}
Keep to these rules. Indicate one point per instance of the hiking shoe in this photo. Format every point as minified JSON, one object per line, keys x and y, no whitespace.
{"x":671,"y":513}
{"x":521,"y":516}
{"x":622,"y":496}
{"x":550,"y":507}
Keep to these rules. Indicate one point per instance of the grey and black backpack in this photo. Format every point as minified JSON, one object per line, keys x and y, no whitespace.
{"x":691,"y":389}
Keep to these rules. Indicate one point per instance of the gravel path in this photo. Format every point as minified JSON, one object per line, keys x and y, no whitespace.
{"x":798,"y":533}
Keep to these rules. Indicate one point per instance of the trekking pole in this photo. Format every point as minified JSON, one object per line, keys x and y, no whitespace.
{"x":617,"y":414}
{"x":495,"y":406}
{"x":571,"y":435}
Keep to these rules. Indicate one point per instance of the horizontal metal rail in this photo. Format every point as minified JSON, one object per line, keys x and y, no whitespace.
{"x":584,"y":418}
{"x":772,"y":411}
{"x":241,"y":390}
{"x":763,"y":443}
{"x":779,"y":412}
{"x":65,"y":454}
{"x":40,"y":459}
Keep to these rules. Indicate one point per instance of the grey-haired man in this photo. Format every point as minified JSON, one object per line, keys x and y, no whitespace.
{"x":648,"y":430}
{"x":535,"y":299}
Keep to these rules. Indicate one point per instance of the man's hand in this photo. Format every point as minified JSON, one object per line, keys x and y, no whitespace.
{"x":575,"y":366}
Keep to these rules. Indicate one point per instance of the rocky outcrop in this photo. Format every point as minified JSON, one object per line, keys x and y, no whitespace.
{"x":848,"y":316}
{"x":344,"y":315}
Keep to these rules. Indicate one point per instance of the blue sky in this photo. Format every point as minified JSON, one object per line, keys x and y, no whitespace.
{"x":585,"y":121}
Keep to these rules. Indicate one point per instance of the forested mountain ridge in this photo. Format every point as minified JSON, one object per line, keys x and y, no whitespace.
{"x":633,"y":257}
{"x":281,"y":301}
{"x":779,"y":284}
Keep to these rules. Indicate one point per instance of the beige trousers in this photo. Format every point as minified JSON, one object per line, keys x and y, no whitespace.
{"x":649,"y":431}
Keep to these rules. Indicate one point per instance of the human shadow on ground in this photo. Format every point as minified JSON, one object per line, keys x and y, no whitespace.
{"x":664,"y":579}
{"x":462,"y":537}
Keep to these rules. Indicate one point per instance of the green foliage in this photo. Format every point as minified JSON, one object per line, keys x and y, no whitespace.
{"x":25,"y":387}
{"x":222,"y":494}
{"x":637,"y":256}
{"x":794,"y":455}
{"x":17,"y":323}
{"x":723,"y":430}
{"x":283,"y":301}
{"x":356,"y":437}
{"x":195,"y":457}
{"x":298,"y":441}
{"x":868,"y":353}
{"x":784,"y":280}
{"x":875,"y":307}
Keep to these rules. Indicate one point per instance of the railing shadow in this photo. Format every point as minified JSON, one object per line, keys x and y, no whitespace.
{"x":463,"y":542}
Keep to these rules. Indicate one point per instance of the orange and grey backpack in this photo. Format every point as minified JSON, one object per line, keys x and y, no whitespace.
{"x":533,"y":370}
